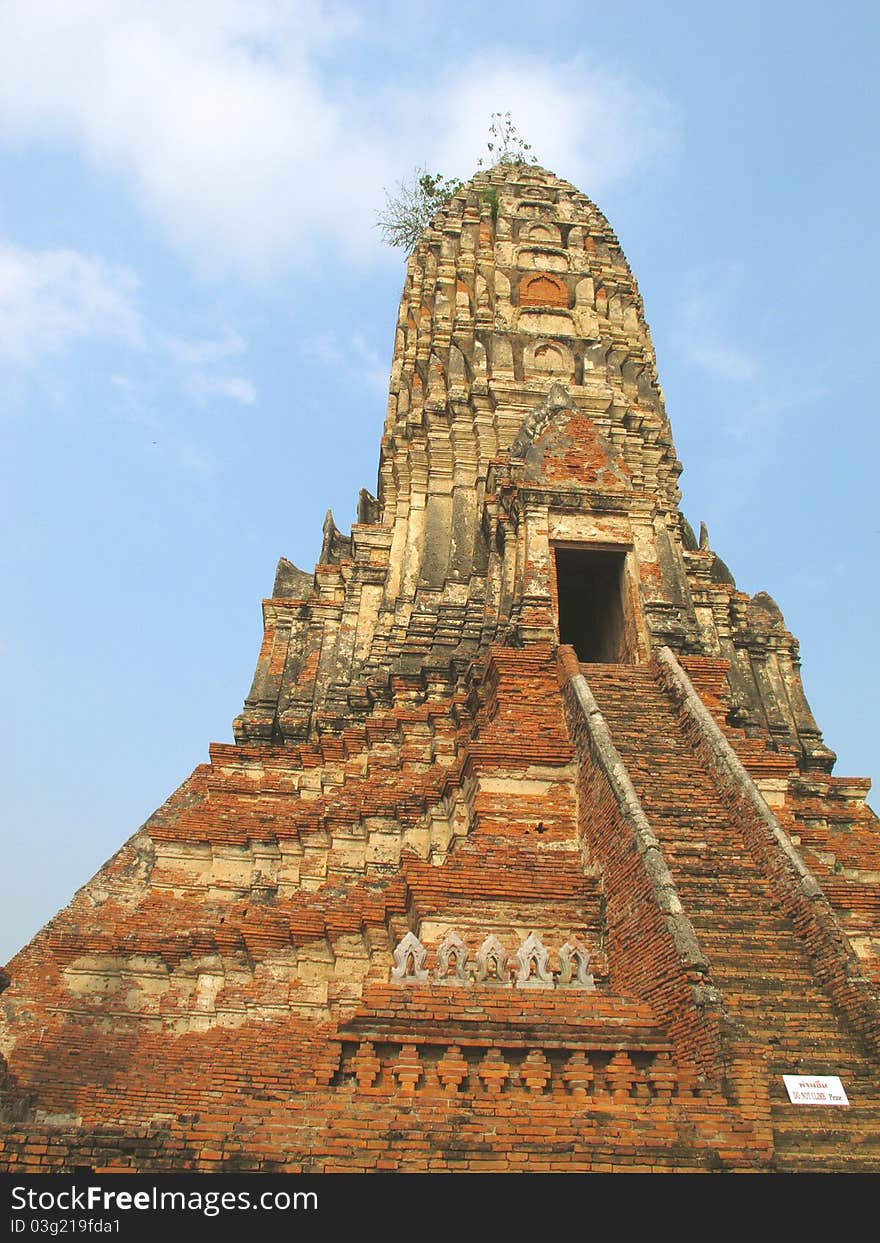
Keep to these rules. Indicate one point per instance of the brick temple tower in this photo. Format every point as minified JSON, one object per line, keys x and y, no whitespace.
{"x":527,"y":854}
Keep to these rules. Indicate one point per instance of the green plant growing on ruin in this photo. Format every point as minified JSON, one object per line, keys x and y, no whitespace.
{"x":412,"y":206}
{"x":490,"y":196}
{"x":505,"y":145}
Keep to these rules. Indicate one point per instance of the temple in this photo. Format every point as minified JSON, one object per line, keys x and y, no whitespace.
{"x":528,"y":854}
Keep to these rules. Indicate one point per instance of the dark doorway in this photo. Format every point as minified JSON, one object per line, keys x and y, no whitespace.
{"x":592,"y":614}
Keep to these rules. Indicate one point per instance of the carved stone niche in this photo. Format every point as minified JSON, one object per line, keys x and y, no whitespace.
{"x":492,"y":970}
{"x":545,"y":321}
{"x":409,"y":961}
{"x":548,"y":357}
{"x":575,"y":962}
{"x":452,"y":961}
{"x":542,"y":259}
{"x":533,"y":962}
{"x":542,"y":290}
{"x":542,"y":231}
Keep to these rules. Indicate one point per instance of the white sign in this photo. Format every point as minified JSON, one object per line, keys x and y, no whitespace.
{"x":815,"y":1090}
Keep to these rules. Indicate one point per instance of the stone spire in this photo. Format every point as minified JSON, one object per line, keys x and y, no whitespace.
{"x":518,"y":290}
{"x":525,"y":422}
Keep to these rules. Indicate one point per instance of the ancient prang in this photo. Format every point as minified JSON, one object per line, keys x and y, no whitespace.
{"x":528,"y":854}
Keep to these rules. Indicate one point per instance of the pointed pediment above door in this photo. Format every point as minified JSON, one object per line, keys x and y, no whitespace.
{"x":559,"y":444}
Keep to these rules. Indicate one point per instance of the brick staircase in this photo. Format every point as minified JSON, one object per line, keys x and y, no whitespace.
{"x":755,"y":955}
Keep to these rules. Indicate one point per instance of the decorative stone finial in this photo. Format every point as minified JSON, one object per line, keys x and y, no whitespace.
{"x":452,"y":960}
{"x":409,"y":961}
{"x":492,"y":964}
{"x":575,"y":962}
{"x":533,"y":960}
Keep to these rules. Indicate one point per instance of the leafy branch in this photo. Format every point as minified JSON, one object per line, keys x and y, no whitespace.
{"x":505,"y":144}
{"x":412,"y":206}
{"x":411,"y":209}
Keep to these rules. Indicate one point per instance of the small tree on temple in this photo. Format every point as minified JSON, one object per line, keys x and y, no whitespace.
{"x":411,"y":208}
{"x":505,"y":145}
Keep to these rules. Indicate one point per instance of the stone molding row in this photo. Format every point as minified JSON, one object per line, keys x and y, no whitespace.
{"x":492,"y":967}
{"x":594,"y":1076}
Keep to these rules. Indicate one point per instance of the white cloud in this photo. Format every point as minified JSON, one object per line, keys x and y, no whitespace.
{"x":323,"y":348}
{"x":763,"y":413}
{"x":213,"y":110}
{"x":720,"y":358}
{"x":233,"y":388}
{"x":51,"y":299}
{"x":589,"y":124}
{"x":230,"y":123}
{"x":356,"y":360}
{"x":751,"y":396}
{"x":54,"y":300}
{"x":373,"y":372}
{"x":200,"y":359}
{"x":700,"y":337}
{"x":205,"y":352}
{"x":193,"y":459}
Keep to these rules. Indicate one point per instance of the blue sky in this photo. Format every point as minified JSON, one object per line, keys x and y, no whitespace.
{"x":196,"y":319}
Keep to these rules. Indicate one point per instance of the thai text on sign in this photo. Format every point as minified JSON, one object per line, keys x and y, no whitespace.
{"x":815,"y":1090}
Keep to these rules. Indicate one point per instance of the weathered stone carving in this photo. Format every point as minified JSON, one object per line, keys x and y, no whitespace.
{"x":452,"y":961}
{"x":290,"y":580}
{"x":533,"y":961}
{"x":409,"y":961}
{"x":492,"y":969}
{"x":575,"y":962}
